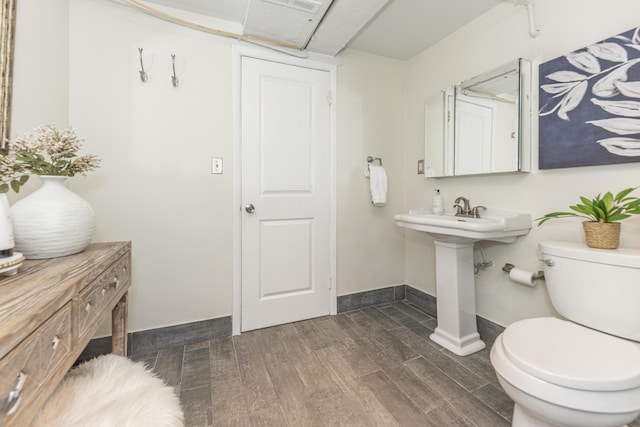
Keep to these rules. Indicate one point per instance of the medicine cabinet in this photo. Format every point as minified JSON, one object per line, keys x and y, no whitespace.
{"x":482,"y":125}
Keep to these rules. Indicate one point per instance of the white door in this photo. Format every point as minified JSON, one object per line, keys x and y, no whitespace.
{"x":474,"y":133}
{"x":286,"y":191}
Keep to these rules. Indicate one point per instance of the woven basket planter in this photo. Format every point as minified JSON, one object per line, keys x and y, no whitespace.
{"x":602,"y":235}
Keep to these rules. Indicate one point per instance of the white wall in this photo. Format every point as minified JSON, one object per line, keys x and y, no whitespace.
{"x":371,"y":122}
{"x":155,"y":186}
{"x":41,"y":68}
{"x":491,"y":40}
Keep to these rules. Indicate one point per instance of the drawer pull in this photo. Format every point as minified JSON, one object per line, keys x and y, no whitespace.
{"x":54,"y":342}
{"x":9,"y":404}
{"x":87,"y":307}
{"x":115,"y":284}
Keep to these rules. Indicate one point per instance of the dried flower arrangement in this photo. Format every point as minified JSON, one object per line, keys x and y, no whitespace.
{"x":45,"y":151}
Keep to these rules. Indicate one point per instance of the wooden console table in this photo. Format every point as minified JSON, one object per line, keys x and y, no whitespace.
{"x":48,"y":313}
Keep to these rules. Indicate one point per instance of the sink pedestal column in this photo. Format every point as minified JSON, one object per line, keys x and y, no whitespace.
{"x":456,"y":298}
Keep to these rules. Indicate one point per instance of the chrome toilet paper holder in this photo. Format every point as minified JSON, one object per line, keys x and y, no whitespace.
{"x":536,"y":276}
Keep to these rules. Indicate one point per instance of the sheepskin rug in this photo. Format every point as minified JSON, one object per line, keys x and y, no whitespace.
{"x":111,"y":391}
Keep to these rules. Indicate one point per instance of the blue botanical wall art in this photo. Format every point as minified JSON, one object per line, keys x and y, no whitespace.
{"x":590,"y":105}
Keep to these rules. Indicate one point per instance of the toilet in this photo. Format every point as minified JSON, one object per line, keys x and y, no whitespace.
{"x":582,"y":370}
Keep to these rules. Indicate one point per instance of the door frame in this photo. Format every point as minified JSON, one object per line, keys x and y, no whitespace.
{"x":238,"y":51}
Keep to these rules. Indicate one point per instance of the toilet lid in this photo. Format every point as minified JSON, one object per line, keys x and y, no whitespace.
{"x":570,"y":355}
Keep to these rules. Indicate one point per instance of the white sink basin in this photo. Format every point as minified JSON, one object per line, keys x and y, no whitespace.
{"x":494,"y":224}
{"x":454,"y":237}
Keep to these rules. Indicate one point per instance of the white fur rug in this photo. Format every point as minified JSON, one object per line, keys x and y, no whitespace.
{"x":111,"y":391}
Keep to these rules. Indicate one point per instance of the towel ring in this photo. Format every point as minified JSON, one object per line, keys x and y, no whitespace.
{"x":371,"y":159}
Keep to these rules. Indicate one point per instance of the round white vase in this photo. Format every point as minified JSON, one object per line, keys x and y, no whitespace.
{"x":6,"y":228}
{"x":53,"y":221}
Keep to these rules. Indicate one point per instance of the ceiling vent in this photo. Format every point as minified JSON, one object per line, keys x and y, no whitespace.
{"x":309,"y":6}
{"x":291,"y":21}
{"x":341,"y":23}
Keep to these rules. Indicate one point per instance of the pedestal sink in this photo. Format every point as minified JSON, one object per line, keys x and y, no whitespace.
{"x":454,"y":238}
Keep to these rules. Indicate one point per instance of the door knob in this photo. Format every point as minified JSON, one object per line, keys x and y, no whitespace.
{"x":250,"y":208}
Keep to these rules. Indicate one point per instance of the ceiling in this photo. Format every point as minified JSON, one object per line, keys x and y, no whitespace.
{"x":393,"y":28}
{"x":407,"y":27}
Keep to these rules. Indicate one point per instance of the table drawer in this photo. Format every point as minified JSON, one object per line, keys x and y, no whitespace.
{"x":28,"y":367}
{"x":101,"y":293}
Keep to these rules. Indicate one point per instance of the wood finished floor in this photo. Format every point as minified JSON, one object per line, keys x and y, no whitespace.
{"x":369,"y":367}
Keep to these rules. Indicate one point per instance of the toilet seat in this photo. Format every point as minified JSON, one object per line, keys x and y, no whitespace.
{"x":616,"y":401}
{"x":569,"y":355}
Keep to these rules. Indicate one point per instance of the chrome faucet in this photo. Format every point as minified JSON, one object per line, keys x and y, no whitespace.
{"x":465,"y":209}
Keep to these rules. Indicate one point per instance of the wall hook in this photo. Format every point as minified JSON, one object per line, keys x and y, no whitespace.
{"x":174,"y":78}
{"x":143,"y":75}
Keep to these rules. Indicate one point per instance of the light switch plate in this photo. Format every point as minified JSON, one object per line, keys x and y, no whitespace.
{"x":421,"y":167}
{"x":216,"y":165}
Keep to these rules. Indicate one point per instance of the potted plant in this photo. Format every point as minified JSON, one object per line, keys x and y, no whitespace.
{"x":602,"y":213}
{"x":52,"y":221}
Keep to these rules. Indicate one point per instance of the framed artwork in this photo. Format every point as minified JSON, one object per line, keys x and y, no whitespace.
{"x":589,"y":105}
{"x":7,"y":31}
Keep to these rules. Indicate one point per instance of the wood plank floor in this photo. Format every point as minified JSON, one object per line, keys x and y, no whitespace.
{"x":370,"y":367}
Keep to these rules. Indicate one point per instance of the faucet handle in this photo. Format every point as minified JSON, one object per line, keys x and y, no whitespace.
{"x":475,"y":213}
{"x":459,"y":209}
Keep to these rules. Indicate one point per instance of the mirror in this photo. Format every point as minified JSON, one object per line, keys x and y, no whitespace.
{"x":7,"y":32}
{"x":482,"y":125}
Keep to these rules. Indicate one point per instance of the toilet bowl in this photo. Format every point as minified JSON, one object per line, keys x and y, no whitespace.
{"x":563,"y":373}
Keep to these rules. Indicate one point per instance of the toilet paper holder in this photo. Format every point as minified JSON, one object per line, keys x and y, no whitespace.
{"x":536,"y":276}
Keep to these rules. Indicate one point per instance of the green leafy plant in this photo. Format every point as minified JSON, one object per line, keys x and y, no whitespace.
{"x":12,"y":174}
{"x":607,"y":208}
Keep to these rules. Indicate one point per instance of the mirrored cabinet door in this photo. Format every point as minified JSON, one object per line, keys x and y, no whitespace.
{"x":482,"y":125}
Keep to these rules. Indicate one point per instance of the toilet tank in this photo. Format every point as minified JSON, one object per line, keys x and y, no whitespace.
{"x":598,"y":288}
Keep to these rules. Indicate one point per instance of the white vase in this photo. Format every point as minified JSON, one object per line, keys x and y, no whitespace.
{"x":52,"y":221}
{"x":6,"y":229}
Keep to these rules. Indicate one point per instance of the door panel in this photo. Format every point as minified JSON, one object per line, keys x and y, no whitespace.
{"x":287,"y":136}
{"x":286,"y":177}
{"x":290,"y":240}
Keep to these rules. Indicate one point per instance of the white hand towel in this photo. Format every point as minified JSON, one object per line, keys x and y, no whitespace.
{"x":378,"y":184}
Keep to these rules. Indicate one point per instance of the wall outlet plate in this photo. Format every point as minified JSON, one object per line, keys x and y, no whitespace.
{"x":421,"y":167}
{"x":216,"y":165}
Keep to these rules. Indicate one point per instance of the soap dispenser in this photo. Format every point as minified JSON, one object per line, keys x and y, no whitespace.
{"x":438,"y":205}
